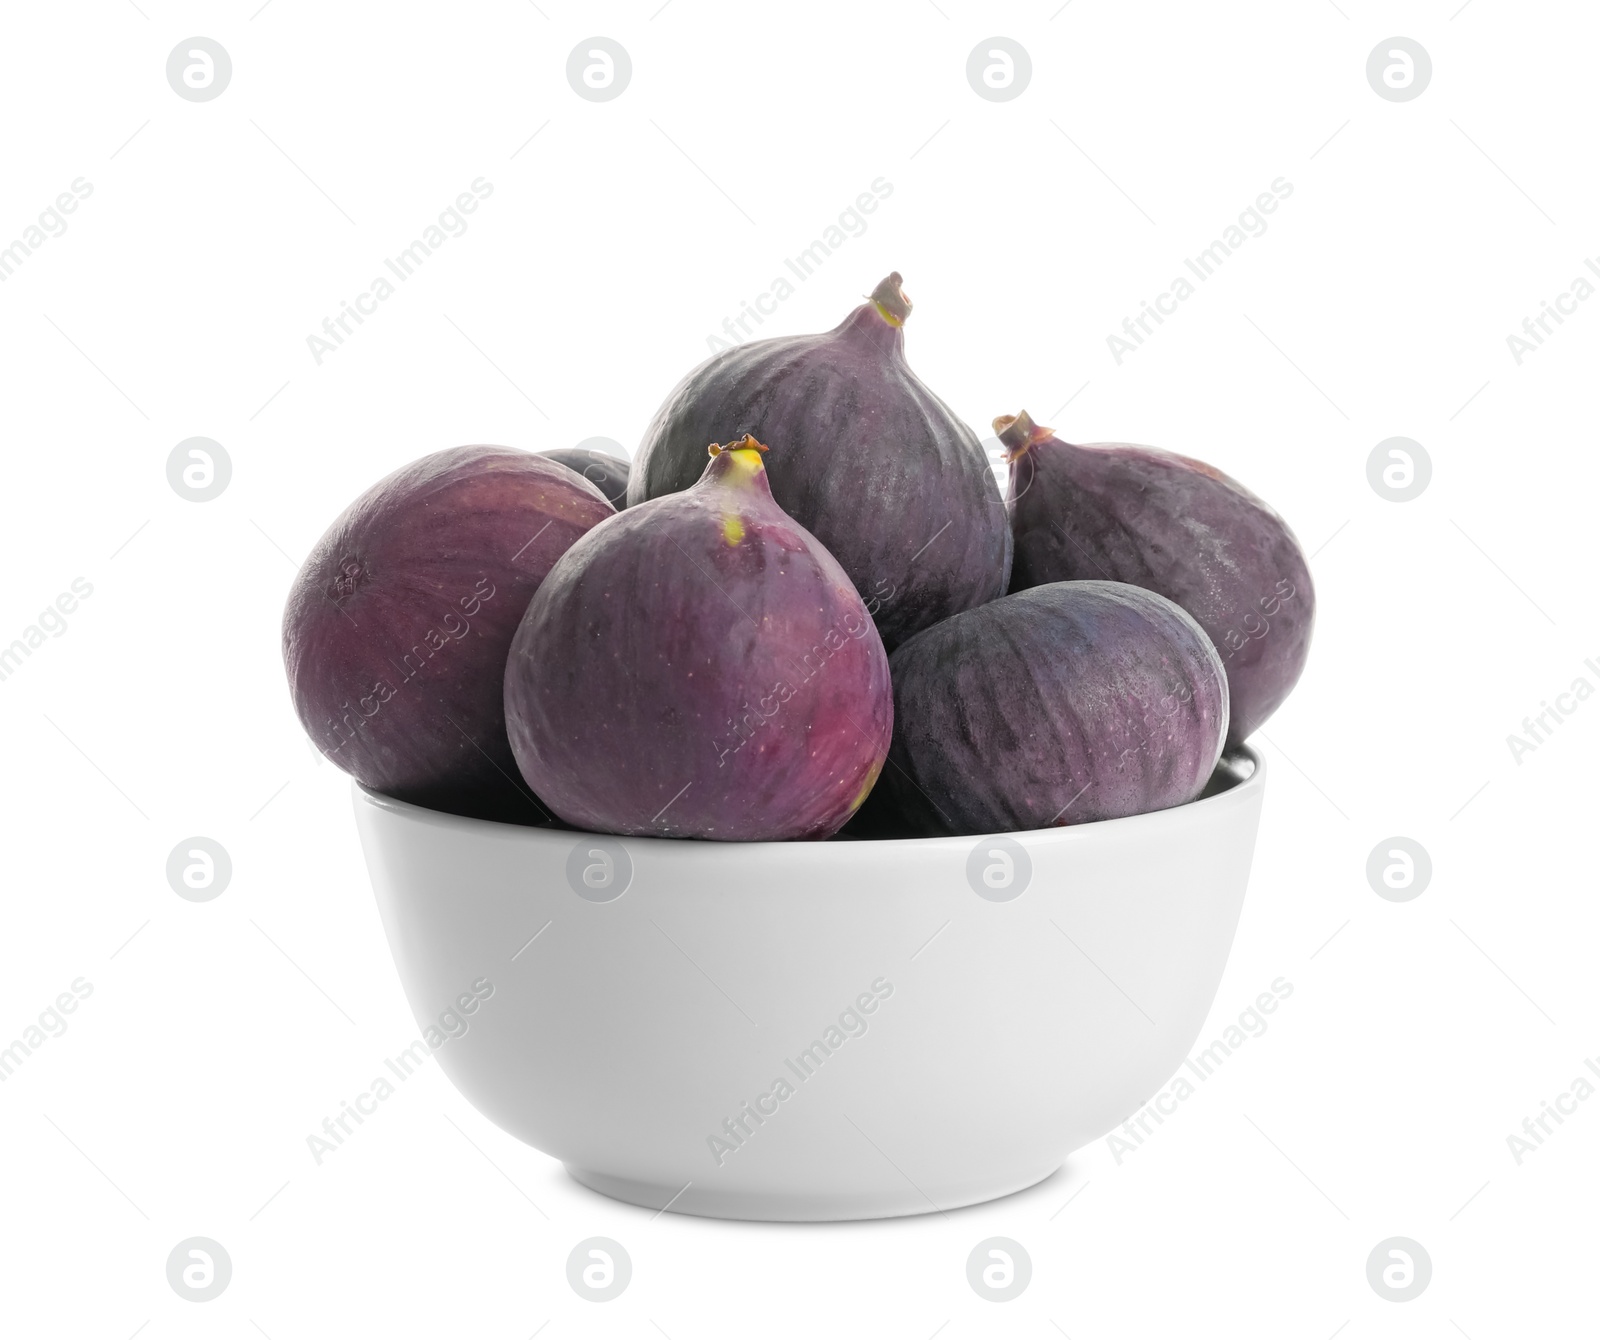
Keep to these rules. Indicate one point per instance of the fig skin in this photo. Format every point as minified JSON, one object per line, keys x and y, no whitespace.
{"x":865,"y":457}
{"x":609,"y":474}
{"x":700,"y":666}
{"x":1063,"y":704}
{"x":1175,"y":526}
{"x":396,"y":630}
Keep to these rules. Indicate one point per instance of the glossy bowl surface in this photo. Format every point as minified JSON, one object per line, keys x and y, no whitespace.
{"x":814,"y":1031}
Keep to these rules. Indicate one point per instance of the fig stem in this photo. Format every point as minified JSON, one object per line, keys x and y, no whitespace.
{"x":893,"y":305}
{"x":746,"y":443}
{"x":1018,"y":432}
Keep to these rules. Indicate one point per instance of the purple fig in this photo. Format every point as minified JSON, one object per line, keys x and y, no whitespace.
{"x":1175,"y":526}
{"x":700,"y":666}
{"x":607,"y":473}
{"x":874,"y":464}
{"x":1062,"y":704}
{"x":396,"y":630}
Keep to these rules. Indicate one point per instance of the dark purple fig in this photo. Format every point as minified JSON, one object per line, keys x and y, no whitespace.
{"x":607,"y":473}
{"x":869,"y":460}
{"x":396,"y":630}
{"x":1172,"y":525}
{"x":701,"y":667}
{"x":1060,"y":705}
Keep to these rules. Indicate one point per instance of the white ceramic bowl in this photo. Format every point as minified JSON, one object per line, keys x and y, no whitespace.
{"x":671,"y":1044}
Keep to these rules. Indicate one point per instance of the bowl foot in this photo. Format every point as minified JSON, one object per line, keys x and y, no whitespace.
{"x":795,"y":1208}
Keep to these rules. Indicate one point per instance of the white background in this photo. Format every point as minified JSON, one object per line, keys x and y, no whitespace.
{"x":1418,"y":236}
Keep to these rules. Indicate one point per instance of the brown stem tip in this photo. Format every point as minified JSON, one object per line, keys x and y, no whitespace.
{"x":1018,"y":432}
{"x":746,"y":443}
{"x":892,"y":300}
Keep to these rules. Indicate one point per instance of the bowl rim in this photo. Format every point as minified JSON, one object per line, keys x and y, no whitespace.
{"x":1241,"y":791}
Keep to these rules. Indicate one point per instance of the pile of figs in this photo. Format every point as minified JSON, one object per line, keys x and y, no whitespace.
{"x":802,"y":610}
